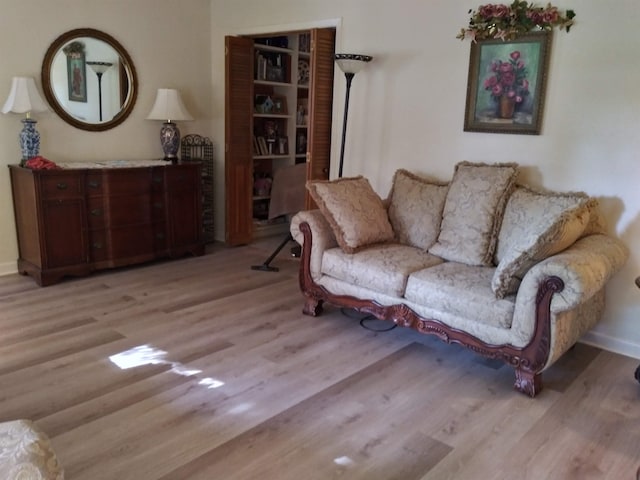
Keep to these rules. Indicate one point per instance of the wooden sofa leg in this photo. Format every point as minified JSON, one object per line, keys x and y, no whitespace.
{"x":528,"y":383}
{"x":312,"y":306}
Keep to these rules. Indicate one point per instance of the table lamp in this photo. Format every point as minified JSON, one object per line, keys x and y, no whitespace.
{"x":25,"y":98}
{"x":168,"y":107}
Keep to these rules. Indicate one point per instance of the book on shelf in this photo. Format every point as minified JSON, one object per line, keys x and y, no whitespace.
{"x":263,"y":148}
{"x":270,"y":66}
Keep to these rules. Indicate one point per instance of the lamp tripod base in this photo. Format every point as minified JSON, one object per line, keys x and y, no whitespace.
{"x":266,"y":267}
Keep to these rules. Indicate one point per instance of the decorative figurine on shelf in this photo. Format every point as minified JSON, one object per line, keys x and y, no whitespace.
{"x":271,"y":132}
{"x":262,"y":186}
{"x":301,"y":145}
{"x":301,"y":114}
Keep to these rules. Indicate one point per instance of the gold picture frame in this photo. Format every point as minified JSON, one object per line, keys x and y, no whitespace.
{"x":507,"y":83}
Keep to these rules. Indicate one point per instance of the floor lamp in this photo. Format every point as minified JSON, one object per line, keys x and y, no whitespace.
{"x":350,"y":64}
{"x":100,"y":68}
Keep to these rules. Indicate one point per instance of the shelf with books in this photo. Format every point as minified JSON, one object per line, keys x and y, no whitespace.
{"x":283,"y":88}
{"x":272,"y":65}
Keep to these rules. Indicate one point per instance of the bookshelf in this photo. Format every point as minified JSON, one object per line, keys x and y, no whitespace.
{"x":283,"y":82}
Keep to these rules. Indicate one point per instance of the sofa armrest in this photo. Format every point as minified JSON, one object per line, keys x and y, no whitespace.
{"x":584,"y":268}
{"x":323,"y":237}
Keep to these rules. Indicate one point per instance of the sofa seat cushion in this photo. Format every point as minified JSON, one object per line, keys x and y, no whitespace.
{"x":461,"y":290}
{"x":382,"y":268}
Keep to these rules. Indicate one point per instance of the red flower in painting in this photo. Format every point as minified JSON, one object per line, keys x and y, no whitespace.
{"x":508,"y":78}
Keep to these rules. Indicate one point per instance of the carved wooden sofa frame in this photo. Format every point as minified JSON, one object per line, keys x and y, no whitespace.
{"x":527,"y":361}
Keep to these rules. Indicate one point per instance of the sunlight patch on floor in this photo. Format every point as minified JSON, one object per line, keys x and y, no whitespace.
{"x":150,"y":355}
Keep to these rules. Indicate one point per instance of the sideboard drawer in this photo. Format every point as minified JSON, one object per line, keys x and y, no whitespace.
{"x":96,"y":215}
{"x":134,"y":209}
{"x":94,"y":184}
{"x":98,"y":248}
{"x":60,"y":186}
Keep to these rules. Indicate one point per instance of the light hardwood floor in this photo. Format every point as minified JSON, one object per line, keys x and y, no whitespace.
{"x":249,"y":388}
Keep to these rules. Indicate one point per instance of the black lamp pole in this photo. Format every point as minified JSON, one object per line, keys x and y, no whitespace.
{"x":350,"y":64}
{"x":349,"y":77}
{"x":100,"y":68}
{"x":99,"y":74}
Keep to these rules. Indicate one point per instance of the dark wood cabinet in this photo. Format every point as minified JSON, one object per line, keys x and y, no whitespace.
{"x":75,"y":221}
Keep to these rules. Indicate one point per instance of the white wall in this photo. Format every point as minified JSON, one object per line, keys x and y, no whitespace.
{"x":170,"y":46}
{"x":407,"y":108}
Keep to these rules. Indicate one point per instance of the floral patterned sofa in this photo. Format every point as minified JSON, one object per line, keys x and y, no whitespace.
{"x":510,"y":272}
{"x":26,"y":453}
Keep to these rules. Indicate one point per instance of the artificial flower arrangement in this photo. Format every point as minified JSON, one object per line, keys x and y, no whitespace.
{"x":507,"y":21}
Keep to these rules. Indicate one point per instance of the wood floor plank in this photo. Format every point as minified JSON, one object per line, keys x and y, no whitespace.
{"x":234,"y":382}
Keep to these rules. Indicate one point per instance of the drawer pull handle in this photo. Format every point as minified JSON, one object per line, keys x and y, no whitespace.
{"x":94,"y":184}
{"x":157,"y":179}
{"x":96,"y":212}
{"x":157,"y":205}
{"x":160,"y":236}
{"x":62,"y":186}
{"x":97,"y":245}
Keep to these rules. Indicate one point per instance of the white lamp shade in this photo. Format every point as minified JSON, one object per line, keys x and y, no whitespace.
{"x":24,"y":97}
{"x":351,"y":62}
{"x":168,"y":106}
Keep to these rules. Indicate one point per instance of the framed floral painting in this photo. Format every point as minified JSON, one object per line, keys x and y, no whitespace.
{"x":506,"y":84}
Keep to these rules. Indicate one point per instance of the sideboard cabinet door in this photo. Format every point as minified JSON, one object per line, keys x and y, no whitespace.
{"x":183,"y":188}
{"x":51,"y":223}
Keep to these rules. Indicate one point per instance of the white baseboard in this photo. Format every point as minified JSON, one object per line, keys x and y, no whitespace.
{"x":8,"y":268}
{"x":612,"y":344}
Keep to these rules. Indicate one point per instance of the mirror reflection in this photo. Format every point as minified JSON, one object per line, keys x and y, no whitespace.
{"x":89,"y":79}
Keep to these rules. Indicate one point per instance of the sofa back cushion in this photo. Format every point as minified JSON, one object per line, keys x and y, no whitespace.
{"x":354,"y":210}
{"x":535,"y":226}
{"x":473,"y":212}
{"x":415,"y":208}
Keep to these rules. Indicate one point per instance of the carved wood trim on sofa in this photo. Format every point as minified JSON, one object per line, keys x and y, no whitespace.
{"x":527,"y":361}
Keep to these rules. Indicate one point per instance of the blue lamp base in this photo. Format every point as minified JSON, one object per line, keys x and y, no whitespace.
{"x":29,"y":139}
{"x":170,"y":140}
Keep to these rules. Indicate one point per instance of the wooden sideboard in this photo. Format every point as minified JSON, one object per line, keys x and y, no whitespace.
{"x":76,"y":220}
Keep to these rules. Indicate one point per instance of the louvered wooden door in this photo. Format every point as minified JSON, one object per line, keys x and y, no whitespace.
{"x":238,"y":140}
{"x":239,"y":99}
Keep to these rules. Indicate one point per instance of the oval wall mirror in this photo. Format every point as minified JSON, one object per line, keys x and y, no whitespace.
{"x":89,"y":79}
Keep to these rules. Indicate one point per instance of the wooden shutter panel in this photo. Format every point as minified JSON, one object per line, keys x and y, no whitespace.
{"x":320,"y":106}
{"x":238,"y":140}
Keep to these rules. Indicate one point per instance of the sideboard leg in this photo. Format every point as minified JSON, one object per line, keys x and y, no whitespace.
{"x":528,"y":383}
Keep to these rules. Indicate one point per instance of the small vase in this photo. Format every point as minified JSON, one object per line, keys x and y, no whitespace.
{"x":506,"y":107}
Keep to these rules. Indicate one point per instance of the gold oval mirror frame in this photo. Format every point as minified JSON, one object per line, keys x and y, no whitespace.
{"x":89,"y":79}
